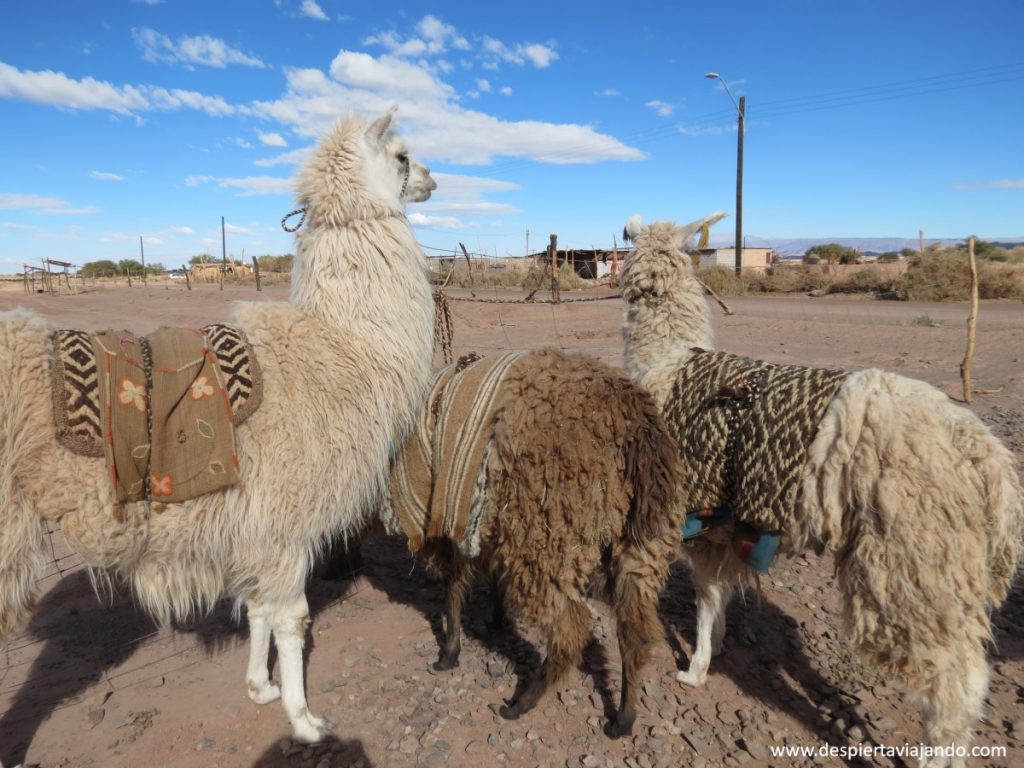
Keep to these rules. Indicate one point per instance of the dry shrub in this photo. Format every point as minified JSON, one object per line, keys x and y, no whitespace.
{"x":796,"y":278}
{"x":722,"y":281}
{"x":537,"y":277}
{"x":944,"y":275}
{"x":867,"y":280}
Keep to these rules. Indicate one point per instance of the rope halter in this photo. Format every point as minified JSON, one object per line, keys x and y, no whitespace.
{"x":305,"y":208}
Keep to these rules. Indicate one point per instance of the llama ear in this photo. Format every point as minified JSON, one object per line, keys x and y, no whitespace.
{"x":634,"y":228}
{"x":687,"y":231}
{"x":379,"y":127}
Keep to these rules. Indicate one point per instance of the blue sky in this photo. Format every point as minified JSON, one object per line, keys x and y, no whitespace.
{"x":154,"y":118}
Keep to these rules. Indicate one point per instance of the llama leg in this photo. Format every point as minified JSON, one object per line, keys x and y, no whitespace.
{"x":257,"y":676}
{"x":456,"y":582}
{"x":290,"y":622}
{"x":712,"y":599}
{"x":952,"y":703}
{"x":718,"y":630}
{"x":639,"y":629}
{"x":566,"y":637}
{"x":500,"y":621}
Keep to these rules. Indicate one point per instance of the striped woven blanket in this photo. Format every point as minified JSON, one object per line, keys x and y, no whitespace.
{"x":434,"y":475}
{"x":160,"y":408}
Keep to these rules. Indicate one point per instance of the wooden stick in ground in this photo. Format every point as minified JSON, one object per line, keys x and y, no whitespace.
{"x":469,"y":268}
{"x":256,"y":271}
{"x":713,"y":295}
{"x":188,"y":282}
{"x":972,"y":323}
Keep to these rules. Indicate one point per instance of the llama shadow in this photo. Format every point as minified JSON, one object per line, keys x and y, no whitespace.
{"x":350,"y":754}
{"x":82,"y":641}
{"x":405,"y":580}
{"x":760,"y":645}
{"x":1008,"y":626}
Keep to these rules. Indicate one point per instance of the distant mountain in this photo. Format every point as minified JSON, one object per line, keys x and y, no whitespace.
{"x":796,"y":247}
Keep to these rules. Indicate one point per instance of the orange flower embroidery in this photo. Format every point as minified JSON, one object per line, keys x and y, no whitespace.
{"x":132,"y":394}
{"x":161,"y":486}
{"x":200,"y":388}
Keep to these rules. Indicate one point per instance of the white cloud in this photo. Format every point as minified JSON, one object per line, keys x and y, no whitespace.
{"x":434,"y":38}
{"x":294,"y":157}
{"x":664,"y":109}
{"x":104,"y":176}
{"x":539,"y":54}
{"x":148,"y":2}
{"x":434,"y":222}
{"x":201,"y":49}
{"x":996,"y":184}
{"x":608,"y":92}
{"x":463,"y":195}
{"x":272,"y":139}
{"x":56,"y":89}
{"x":505,"y":91}
{"x":714,"y":130}
{"x":483,"y":85}
{"x":43,"y":206}
{"x":249,"y":186}
{"x":435,"y":124}
{"x":311,"y":10}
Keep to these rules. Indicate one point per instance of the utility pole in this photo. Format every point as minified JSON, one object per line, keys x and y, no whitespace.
{"x":741,"y":112}
{"x":142,"y":254}
{"x":223,"y":253}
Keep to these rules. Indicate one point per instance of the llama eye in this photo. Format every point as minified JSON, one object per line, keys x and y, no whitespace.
{"x":403,"y":158}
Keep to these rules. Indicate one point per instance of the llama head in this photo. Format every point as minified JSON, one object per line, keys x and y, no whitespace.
{"x":658,"y":259}
{"x":361,"y":170}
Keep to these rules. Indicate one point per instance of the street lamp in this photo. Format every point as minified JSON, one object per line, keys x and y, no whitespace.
{"x":740,"y":112}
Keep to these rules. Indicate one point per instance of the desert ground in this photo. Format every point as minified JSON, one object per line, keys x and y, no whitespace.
{"x":93,"y":683}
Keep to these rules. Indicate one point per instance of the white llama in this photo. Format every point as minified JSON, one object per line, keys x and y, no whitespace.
{"x":917,"y":501}
{"x":344,"y":363}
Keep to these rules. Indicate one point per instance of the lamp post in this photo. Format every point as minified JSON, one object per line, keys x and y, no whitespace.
{"x":741,"y":108}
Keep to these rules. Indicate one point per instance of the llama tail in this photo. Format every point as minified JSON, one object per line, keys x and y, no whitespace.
{"x":22,"y":558}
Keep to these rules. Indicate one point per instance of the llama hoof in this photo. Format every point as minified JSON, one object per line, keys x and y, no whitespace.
{"x":614,"y":729}
{"x":509,"y":713}
{"x":443,"y":664}
{"x":691,"y":678}
{"x":264,"y":693}
{"x":310,"y":730}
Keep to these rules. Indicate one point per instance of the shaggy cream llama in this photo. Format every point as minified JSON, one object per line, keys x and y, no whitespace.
{"x":918,"y":503}
{"x":344,"y":361}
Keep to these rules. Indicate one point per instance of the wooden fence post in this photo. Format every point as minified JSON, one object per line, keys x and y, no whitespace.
{"x":256,"y":271}
{"x":469,"y":268}
{"x":188,"y":282}
{"x":972,"y":323}
{"x":556,"y":294}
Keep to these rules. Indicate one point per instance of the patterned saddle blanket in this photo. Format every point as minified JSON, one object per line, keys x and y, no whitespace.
{"x":160,"y":408}
{"x":434,"y":475}
{"x":744,"y":428}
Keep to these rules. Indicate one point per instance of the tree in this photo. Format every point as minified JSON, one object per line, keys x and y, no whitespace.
{"x":129,"y":266}
{"x":833,"y":253}
{"x":102,"y":268}
{"x":200,"y":258}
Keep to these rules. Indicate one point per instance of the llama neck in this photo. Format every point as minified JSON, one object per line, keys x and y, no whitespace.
{"x":661,"y":332}
{"x":368,"y":274}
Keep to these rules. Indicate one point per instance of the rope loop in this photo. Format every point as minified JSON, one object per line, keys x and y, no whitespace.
{"x":284,"y":220}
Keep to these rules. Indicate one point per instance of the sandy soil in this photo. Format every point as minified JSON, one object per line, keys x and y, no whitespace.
{"x":97,"y":684}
